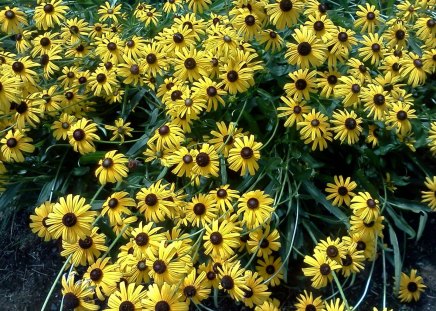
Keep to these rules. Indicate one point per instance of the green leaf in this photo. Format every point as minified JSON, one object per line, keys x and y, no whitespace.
{"x":400,"y":222}
{"x":44,"y":195}
{"x":320,"y":198}
{"x":422,"y":222}
{"x":81,"y":170}
{"x":91,"y":158}
{"x":397,"y":259}
{"x":138,"y":145}
{"x":409,"y":205}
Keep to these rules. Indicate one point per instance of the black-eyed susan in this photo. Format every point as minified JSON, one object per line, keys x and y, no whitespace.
{"x":397,"y":34}
{"x":172,"y":6}
{"x":61,"y":126}
{"x":221,"y":239}
{"x":354,"y":260}
{"x":293,"y":110}
{"x":341,"y":190}
{"x":127,"y":297}
{"x":334,"y":249}
{"x":284,"y":13}
{"x":257,"y":292}
{"x":112,"y":168}
{"x":376,"y":100}
{"x":74,"y":30}
{"x":248,"y":24}
{"x":108,"y":11}
{"x":343,"y":40}
{"x":364,"y":244}
{"x":110,"y":48}
{"x":117,"y":205}
{"x":263,"y":242}
{"x":173,"y":39}
{"x":271,"y":39}
{"x":308,"y":50}
{"x":27,"y":113}
{"x":366,"y":230}
{"x":103,"y":276}
{"x":120,"y":129}
{"x":365,"y":207}
{"x":48,"y":99}
{"x":411,"y":287}
{"x":306,"y":302}
{"x":49,"y":14}
{"x":85,"y":250}
{"x":368,"y":18}
{"x":314,"y":125}
{"x":206,"y":161}
{"x":237,"y":76}
{"x":327,"y":82}
{"x":399,"y":117}
{"x":201,"y":210}
{"x":269,"y":305}
{"x":322,"y":26}
{"x":224,"y":197}
{"x":358,"y":70}
{"x":21,"y":68}
{"x":147,"y":238}
{"x":14,"y":144}
{"x":303,"y":83}
{"x":152,"y":202}
{"x":408,"y":10}
{"x":168,"y":135}
{"x":335,"y":305}
{"x":71,"y":218}
{"x":190,"y":105}
{"x":98,"y":30}
{"x":82,"y":134}
{"x":194,"y":287}
{"x":413,"y":69}
{"x":373,"y":135}
{"x":135,"y":267}
{"x":373,"y":48}
{"x":271,"y":270}
{"x":166,"y":266}
{"x":77,"y":295}
{"x":68,"y":78}
{"x":225,"y":137}
{"x":244,"y":155}
{"x":320,"y":270}
{"x":232,"y":279}
{"x":346,"y":126}
{"x":349,"y":89}
{"x":255,"y":207}
{"x":155,"y":61}
{"x":124,"y":227}
{"x":38,"y":223}
{"x":182,"y":161}
{"x":12,"y":20}
{"x":132,"y":71}
{"x":425,"y":27}
{"x":429,"y":197}
{"x":23,"y":41}
{"x":164,"y":297}
{"x":9,"y":91}
{"x":102,"y":82}
{"x":211,"y":91}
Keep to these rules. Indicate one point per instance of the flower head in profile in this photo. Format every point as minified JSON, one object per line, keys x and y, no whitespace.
{"x":77,"y":295}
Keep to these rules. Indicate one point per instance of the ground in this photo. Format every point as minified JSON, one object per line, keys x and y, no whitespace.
{"x":29,"y":266}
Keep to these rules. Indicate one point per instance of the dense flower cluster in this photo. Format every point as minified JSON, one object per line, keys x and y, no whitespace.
{"x":207,"y":223}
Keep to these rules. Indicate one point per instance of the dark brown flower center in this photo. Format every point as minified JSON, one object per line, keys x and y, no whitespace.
{"x":250,"y":20}
{"x":216,"y":238}
{"x":369,"y":224}
{"x":232,"y":76}
{"x":285,"y":5}
{"x":248,"y":292}
{"x":304,"y":48}
{"x":325,"y":269}
{"x":211,"y":275}
{"x":79,"y":135}
{"x":9,"y":14}
{"x":221,"y":193}
{"x":111,"y":46}
{"x":227,"y":282}
{"x":300,"y":84}
{"x":310,"y":307}
{"x":264,"y":243}
{"x":252,"y":203}
{"x":342,"y":36}
{"x":11,"y":142}
{"x":318,"y":26}
{"x":178,"y":37}
{"x":400,"y":34}
{"x":332,"y":79}
{"x":159,"y":266}
{"x":151,"y":199}
{"x":17,"y":67}
{"x":69,"y":219}
{"x":108,"y":65}
{"x":126,"y":306}
{"x":347,"y":261}
{"x":332,"y":251}
{"x":107,"y":163}
{"x":375,"y":47}
{"x":371,"y":203}
{"x":48,"y":8}
{"x":113,"y":202}
{"x":297,"y":109}
{"x":412,"y":287}
{"x":361,"y":246}
{"x":202,"y":159}
{"x":273,"y":34}
{"x":141,"y":265}
{"x":162,"y":306}
{"x":247,"y":153}
{"x":314,"y":122}
{"x":362,"y":68}
{"x":80,"y":48}
{"x":379,"y":99}
{"x":342,"y":191}
{"x":187,"y":159}
{"x":189,"y":291}
{"x":355,"y":88}
{"x":350,"y":124}
{"x":431,"y":22}
{"x":96,"y":274}
{"x":199,"y":209}
{"x":417,"y":63}
{"x":401,"y":115}
{"x":134,"y":69}
{"x":322,"y":8}
{"x":370,"y":16}
{"x":71,"y":301}
{"x":211,"y":91}
{"x":101,"y":78}
{"x":270,"y":269}
{"x":151,"y":58}
{"x":86,"y":243}
{"x":141,"y":239}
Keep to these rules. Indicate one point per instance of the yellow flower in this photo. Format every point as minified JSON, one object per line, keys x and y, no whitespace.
{"x":244,"y":155}
{"x":14,"y":144}
{"x":411,"y":286}
{"x":81,"y":136}
{"x":429,"y":197}
{"x":49,"y":13}
{"x":112,"y":168}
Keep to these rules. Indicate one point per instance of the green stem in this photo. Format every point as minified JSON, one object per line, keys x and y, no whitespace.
{"x":115,"y":241}
{"x":55,"y":282}
{"x":57,"y":175}
{"x":338,"y":284}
